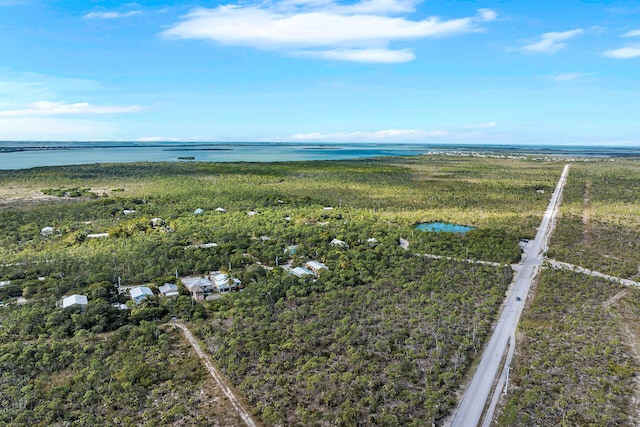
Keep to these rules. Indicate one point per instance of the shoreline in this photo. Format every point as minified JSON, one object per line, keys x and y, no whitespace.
{"x":44,"y":154}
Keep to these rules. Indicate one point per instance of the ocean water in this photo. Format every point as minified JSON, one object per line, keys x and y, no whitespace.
{"x":24,"y":155}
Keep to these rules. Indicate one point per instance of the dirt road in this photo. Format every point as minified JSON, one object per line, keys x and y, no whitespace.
{"x":216,"y":375}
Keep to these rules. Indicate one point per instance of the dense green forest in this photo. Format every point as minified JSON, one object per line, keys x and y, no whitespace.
{"x":574,"y":364}
{"x":385,"y":336}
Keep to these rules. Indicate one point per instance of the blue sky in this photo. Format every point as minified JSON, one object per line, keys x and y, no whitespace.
{"x":436,"y":71}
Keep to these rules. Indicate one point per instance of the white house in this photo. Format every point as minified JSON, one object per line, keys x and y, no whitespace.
{"x":168,"y":290}
{"x":301,"y":272}
{"x":74,"y":300}
{"x":198,"y":211}
{"x":222,"y":210}
{"x":339,"y":243}
{"x":140,"y":293}
{"x":47,"y":231}
{"x":316,"y":266}
{"x":128,"y":211}
{"x":224,"y":283}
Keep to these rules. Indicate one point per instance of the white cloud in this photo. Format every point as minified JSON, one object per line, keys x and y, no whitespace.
{"x":550,"y":42}
{"x":561,"y":77}
{"x":359,"y":136}
{"x":362,"y":55}
{"x":357,"y":32}
{"x":111,"y":15}
{"x":624,"y":52}
{"x":487,"y":14}
{"x":53,"y":129}
{"x":632,"y":33}
{"x":47,"y":108}
{"x":487,"y":125}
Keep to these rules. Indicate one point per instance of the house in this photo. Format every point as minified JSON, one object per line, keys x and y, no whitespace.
{"x":47,"y":231}
{"x":199,"y":287}
{"x":224,"y":283}
{"x":252,"y":213}
{"x":168,"y":290}
{"x":316,"y":266}
{"x":372,"y":241}
{"x":197,"y":293}
{"x":128,"y":211}
{"x":198,"y":211}
{"x":301,"y":272}
{"x":339,"y":243}
{"x":222,"y":210}
{"x":74,"y":300}
{"x":140,"y":293}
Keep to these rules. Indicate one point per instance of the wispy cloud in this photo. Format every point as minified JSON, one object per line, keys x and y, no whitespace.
{"x":362,"y":55}
{"x":360,"y":32}
{"x":360,"y":136}
{"x":111,"y":15}
{"x":624,"y":52}
{"x":47,"y":108}
{"x":53,"y":129}
{"x":627,"y":52}
{"x":550,"y":42}
{"x":487,"y":125}
{"x":563,"y":77}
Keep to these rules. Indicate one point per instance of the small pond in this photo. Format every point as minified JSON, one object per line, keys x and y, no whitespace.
{"x":438,"y":227}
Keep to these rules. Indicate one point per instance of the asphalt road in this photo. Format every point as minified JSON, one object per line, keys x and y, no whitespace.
{"x":469,"y":412}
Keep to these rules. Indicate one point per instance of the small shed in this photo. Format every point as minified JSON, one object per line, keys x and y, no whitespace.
{"x":74,"y":300}
{"x":140,"y":293}
{"x":222,"y":210}
{"x":198,"y":211}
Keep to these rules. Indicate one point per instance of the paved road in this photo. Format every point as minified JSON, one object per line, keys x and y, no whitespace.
{"x":469,"y":412}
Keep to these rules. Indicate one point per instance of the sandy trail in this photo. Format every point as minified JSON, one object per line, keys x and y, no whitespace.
{"x":216,"y":375}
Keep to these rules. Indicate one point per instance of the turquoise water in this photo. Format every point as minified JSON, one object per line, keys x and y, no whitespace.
{"x":29,"y":154}
{"x":438,"y":227}
{"x":24,"y":155}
